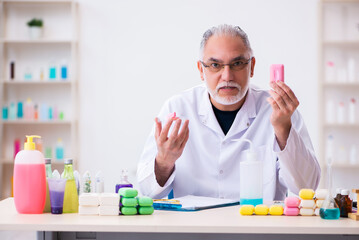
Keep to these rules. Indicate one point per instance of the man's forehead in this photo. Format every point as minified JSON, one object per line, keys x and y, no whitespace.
{"x":219,"y":47}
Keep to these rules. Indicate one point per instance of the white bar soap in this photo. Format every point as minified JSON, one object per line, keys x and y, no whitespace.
{"x":109,"y":199}
{"x":89,"y":199}
{"x":307,"y":204}
{"x":88,"y":210}
{"x":306,"y":211}
{"x":109,"y":210}
{"x":321,"y":194}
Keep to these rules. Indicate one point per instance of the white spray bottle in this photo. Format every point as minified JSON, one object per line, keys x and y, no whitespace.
{"x":250,"y":178}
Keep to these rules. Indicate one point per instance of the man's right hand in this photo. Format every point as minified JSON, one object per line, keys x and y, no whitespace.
{"x":169,"y":148}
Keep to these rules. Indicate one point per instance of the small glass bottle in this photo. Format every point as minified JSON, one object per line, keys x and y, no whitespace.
{"x":71,"y":198}
{"x":48,"y":175}
{"x":345,"y":203}
{"x":87,"y":182}
{"x":99,"y":182}
{"x":338,"y":196}
{"x":123,"y":180}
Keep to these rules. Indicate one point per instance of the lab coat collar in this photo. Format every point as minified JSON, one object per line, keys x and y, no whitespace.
{"x":241,"y":122}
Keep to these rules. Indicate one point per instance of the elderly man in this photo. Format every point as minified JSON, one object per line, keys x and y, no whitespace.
{"x":194,"y":152}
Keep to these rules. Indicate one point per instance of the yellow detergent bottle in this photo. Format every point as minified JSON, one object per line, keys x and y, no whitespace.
{"x":71,"y":198}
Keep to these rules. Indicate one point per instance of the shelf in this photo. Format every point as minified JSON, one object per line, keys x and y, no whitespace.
{"x":342,"y":165}
{"x":37,"y":82}
{"x":36,"y":122}
{"x":37,"y":1}
{"x":344,"y":43}
{"x":39,"y":41}
{"x":341,"y":125}
{"x":341,"y":85}
{"x":54,"y":163}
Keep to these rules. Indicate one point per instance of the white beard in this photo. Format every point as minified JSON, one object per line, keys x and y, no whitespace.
{"x":228,"y":100}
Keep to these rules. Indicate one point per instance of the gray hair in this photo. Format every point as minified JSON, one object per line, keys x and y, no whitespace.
{"x":224,"y":30}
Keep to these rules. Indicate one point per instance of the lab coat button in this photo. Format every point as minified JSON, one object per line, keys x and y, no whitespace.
{"x":221,"y":172}
{"x":248,"y":124}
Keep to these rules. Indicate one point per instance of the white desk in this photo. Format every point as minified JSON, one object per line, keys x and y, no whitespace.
{"x":224,"y":221}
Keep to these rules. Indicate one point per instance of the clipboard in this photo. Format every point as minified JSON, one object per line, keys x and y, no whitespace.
{"x":192,"y":203}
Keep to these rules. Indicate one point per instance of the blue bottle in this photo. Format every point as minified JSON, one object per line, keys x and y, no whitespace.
{"x":63,"y":72}
{"x":20,"y":112}
{"x":12,"y":111}
{"x":4,"y":112}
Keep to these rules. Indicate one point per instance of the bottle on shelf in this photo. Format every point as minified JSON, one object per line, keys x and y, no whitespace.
{"x":352,"y":111}
{"x":29,"y":110}
{"x":20,"y":112}
{"x":71,"y":199}
{"x":29,"y":179}
{"x":59,"y":150}
{"x":338,"y":196}
{"x":5,"y":112}
{"x":52,"y":71}
{"x":12,"y":111}
{"x":64,"y":70}
{"x":123,"y":181}
{"x":12,"y":70}
{"x":87,"y":187}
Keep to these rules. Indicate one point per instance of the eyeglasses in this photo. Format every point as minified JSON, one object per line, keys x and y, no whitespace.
{"x":235,"y":66}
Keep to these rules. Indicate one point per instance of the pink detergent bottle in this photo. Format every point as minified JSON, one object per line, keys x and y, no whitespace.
{"x":29,"y":179}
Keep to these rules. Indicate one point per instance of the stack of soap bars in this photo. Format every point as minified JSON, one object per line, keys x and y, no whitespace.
{"x":125,"y":202}
{"x":294,"y":206}
{"x":131,"y":204}
{"x":307,"y":203}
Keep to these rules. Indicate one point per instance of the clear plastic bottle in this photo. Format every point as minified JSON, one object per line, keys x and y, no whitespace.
{"x":99,"y":182}
{"x":48,"y":175}
{"x":59,"y":149}
{"x":123,"y":181}
{"x":251,"y":178}
{"x":345,"y":203}
{"x":29,"y":179}
{"x":71,"y":198}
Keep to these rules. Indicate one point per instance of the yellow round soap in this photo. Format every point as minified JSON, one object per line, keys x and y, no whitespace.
{"x":276,"y":210}
{"x":246,"y":210}
{"x":306,"y":193}
{"x":261,"y":209}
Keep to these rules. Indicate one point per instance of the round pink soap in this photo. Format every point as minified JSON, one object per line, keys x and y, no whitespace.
{"x":291,"y":211}
{"x":292,"y":202}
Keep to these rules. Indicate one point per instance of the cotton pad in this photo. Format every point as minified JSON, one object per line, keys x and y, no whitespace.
{"x":306,"y":211}
{"x":145,"y":210}
{"x":321,"y":193}
{"x":127,"y":192}
{"x":306,"y":194}
{"x":108,"y":210}
{"x":89,"y":199}
{"x":129,"y":202}
{"x":261,"y":209}
{"x":246,"y":210}
{"x":307,"y":204}
{"x":276,"y":210}
{"x":109,"y":199}
{"x":292,"y":202}
{"x":88,"y":210}
{"x":291,"y":211}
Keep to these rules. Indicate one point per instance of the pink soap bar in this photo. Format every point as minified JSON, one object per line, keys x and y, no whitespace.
{"x":277,"y":72}
{"x":291,"y":211}
{"x":292,"y":202}
{"x":172,"y":115}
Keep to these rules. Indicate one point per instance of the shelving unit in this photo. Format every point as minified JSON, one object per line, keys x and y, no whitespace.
{"x":59,"y":43}
{"x":338,"y":85}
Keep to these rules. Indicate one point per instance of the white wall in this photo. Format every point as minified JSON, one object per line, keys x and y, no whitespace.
{"x":135,"y":54}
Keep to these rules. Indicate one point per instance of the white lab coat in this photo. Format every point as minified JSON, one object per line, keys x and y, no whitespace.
{"x":209,"y":164}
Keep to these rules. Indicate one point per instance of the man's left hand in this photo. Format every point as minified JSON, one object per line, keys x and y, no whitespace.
{"x":284,"y":103}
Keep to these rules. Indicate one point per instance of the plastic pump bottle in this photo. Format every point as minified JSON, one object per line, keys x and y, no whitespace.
{"x":29,"y":179}
{"x":251,"y":178}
